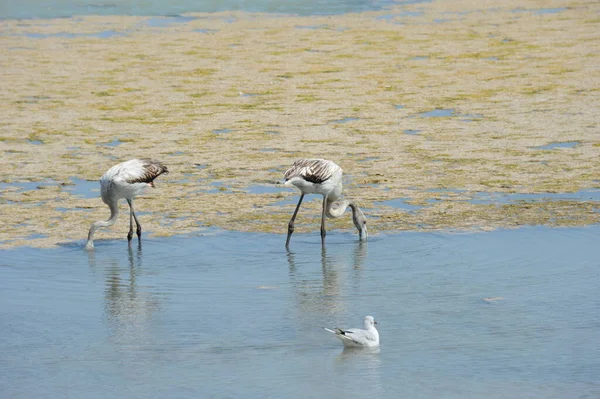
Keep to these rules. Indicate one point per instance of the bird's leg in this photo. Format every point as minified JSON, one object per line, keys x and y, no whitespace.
{"x":323,"y":232}
{"x":137,"y":222}
{"x":291,"y":223}
{"x":130,"y":234}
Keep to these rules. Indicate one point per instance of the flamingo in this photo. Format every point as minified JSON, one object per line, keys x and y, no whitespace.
{"x":320,"y":176}
{"x":358,"y":338}
{"x":125,"y":180}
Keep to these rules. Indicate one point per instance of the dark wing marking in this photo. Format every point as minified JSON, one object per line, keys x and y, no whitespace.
{"x":312,"y":170}
{"x":342,"y":332}
{"x":150,"y":170}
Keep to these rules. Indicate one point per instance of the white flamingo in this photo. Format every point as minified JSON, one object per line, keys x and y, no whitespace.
{"x":358,"y":338}
{"x":125,"y":180}
{"x":320,"y":176}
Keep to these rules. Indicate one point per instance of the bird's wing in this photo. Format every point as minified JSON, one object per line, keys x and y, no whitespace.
{"x":312,"y":170}
{"x":141,"y":171}
{"x":342,"y":334}
{"x":361,"y":337}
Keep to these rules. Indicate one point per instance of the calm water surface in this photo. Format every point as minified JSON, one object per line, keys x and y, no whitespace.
{"x":227,"y":314}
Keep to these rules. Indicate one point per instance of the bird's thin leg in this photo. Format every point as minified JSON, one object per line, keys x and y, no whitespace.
{"x":137,"y":222}
{"x":130,"y":234}
{"x":291,"y":223}
{"x":323,"y":232}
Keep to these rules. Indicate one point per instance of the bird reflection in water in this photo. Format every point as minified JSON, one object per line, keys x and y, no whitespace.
{"x":325,"y":294}
{"x":129,"y":309}
{"x":368,"y":361}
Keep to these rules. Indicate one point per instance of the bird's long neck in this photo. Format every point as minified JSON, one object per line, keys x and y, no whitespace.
{"x":358,"y":217}
{"x":339,"y":210}
{"x":114,"y":213}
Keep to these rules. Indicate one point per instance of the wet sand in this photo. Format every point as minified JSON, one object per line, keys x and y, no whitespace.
{"x":228,"y":101}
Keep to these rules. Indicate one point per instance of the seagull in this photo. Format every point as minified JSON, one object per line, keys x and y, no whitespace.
{"x":320,"y":176}
{"x":125,"y":180}
{"x":357,"y":338}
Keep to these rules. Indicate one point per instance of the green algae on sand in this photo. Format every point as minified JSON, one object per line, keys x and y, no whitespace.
{"x":530,"y":78}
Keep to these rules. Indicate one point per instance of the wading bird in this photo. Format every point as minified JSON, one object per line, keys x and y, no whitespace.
{"x":125,"y":180}
{"x":320,"y":176}
{"x":357,"y":338}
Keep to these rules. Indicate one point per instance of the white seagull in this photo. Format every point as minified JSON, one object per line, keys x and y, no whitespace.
{"x":320,"y":176}
{"x":125,"y":180}
{"x":357,"y":338}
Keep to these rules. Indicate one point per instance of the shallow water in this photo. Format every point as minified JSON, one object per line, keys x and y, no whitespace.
{"x":553,"y":146}
{"x":67,"y":8}
{"x":227,"y":314}
{"x":497,"y":198}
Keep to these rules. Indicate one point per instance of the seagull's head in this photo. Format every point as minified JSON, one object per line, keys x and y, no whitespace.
{"x":360,"y":221}
{"x":369,"y":322}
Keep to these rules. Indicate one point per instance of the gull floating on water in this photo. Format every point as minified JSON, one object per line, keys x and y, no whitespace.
{"x":358,"y":338}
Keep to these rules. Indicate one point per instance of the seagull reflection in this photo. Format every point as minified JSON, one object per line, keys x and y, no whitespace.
{"x":365,"y":353}
{"x":368,"y":360}
{"x":324,"y":293}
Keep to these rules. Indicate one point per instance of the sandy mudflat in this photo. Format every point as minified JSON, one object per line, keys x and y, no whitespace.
{"x":503,"y":78}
